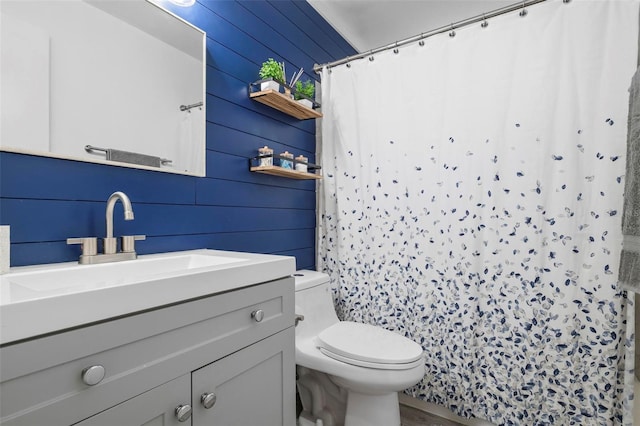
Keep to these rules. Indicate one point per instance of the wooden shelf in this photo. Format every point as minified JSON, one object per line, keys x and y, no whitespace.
{"x":288,"y":173}
{"x":285,"y":104}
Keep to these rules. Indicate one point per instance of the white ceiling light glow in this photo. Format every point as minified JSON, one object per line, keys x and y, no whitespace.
{"x":183,"y":3}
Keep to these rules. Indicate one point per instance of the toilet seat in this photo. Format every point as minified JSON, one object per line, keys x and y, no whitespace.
{"x":369,"y":346}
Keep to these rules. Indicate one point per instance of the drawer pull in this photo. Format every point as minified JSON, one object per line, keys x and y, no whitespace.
{"x":93,"y":375}
{"x":183,"y":412}
{"x":257,"y":315}
{"x":208,"y":400}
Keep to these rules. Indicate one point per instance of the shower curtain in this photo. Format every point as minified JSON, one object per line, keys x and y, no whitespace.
{"x":471,"y":201}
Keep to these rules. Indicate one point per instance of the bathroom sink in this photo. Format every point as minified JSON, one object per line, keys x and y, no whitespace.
{"x":41,"y":299}
{"x":78,"y":278}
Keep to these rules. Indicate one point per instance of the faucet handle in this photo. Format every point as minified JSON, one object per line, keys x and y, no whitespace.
{"x":89,"y":245}
{"x":129,"y":241}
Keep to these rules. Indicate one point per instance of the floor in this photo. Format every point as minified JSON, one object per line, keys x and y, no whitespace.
{"x":413,"y":417}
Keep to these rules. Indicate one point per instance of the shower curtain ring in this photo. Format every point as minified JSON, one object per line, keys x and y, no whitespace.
{"x":421,"y":42}
{"x":396,"y":49}
{"x":452,"y":33}
{"x":523,"y":12}
{"x":485,"y":23}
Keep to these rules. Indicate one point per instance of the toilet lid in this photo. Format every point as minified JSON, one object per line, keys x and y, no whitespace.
{"x":367,"y":343}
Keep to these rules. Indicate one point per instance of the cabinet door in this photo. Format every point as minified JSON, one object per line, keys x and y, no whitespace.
{"x":253,"y":387}
{"x":156,"y":407}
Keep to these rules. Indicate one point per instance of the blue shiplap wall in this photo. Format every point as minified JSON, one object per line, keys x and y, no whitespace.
{"x":46,"y":200}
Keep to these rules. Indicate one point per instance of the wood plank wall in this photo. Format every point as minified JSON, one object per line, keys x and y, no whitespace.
{"x":47,"y":200}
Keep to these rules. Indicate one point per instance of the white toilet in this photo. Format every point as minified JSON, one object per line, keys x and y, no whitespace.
{"x":343,"y":362}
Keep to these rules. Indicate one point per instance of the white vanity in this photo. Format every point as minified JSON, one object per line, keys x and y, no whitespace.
{"x":196,"y":337}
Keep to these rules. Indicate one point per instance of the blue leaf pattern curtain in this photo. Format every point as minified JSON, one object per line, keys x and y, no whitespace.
{"x":471,"y":201}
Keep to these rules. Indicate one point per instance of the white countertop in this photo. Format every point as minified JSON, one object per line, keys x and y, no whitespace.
{"x":41,"y":299}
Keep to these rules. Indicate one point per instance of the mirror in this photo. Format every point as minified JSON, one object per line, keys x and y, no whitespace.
{"x":108,"y":81}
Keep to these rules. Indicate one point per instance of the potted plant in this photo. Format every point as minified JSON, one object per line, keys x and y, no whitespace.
{"x":304,"y":90}
{"x":273,"y":70}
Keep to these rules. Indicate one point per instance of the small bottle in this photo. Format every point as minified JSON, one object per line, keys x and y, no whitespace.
{"x":266,"y":161}
{"x":284,"y":163}
{"x":301,"y":163}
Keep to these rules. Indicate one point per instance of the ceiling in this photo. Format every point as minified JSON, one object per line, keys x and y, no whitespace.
{"x":368,"y":24}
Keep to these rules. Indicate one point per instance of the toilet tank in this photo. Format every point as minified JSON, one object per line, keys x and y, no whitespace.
{"x":313,"y":300}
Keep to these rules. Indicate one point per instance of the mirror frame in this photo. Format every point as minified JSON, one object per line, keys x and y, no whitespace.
{"x":202,"y":149}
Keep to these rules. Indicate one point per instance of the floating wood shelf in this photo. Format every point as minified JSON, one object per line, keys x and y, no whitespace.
{"x":275,"y":98}
{"x":285,"y":104}
{"x":254,"y":166}
{"x":282,"y":172}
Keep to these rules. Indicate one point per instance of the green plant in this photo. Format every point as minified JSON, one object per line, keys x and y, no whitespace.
{"x":305,"y":88}
{"x":272,"y":69}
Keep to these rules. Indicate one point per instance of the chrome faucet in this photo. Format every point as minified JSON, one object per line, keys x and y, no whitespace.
{"x":110,"y":243}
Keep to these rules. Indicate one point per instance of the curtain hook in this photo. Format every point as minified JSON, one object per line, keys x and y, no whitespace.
{"x":371,"y":57}
{"x":452,"y":33}
{"x":421,"y":42}
{"x":484,"y":24}
{"x":523,"y":12}
{"x":348,"y":65}
{"x":396,"y":49}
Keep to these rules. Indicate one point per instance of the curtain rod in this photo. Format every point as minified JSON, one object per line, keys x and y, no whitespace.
{"x":517,"y":6}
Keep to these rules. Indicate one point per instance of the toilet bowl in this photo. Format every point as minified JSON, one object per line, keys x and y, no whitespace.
{"x":348,"y":373}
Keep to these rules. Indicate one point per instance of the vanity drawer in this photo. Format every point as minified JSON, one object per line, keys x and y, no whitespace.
{"x":41,"y":379}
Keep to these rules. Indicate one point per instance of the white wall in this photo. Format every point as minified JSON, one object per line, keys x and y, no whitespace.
{"x":24,"y":84}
